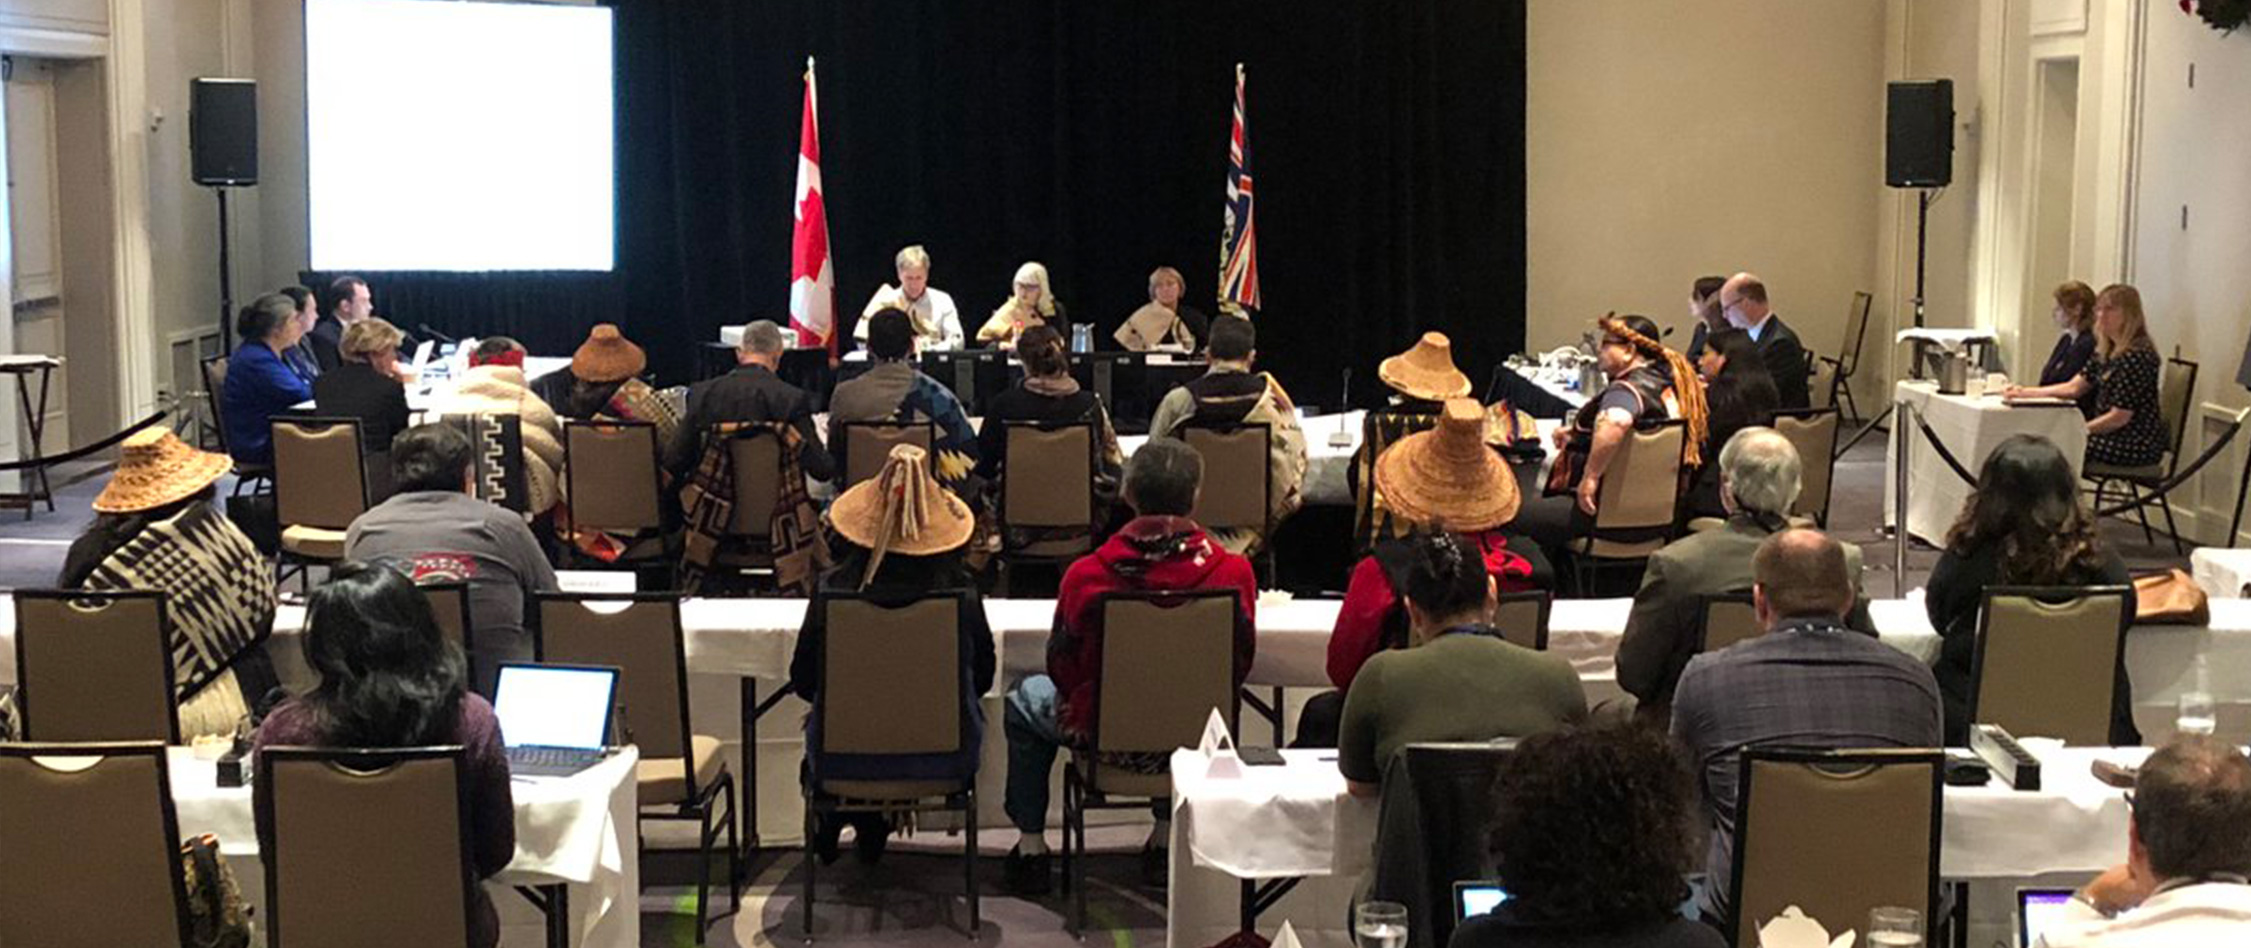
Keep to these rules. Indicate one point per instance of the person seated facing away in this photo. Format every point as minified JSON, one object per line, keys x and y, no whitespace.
{"x":1232,"y":394}
{"x":368,"y":386}
{"x":1457,"y":680}
{"x":1737,"y":395}
{"x":1030,"y":304}
{"x":302,"y":357}
{"x":259,"y":384}
{"x":899,"y":538}
{"x":1760,"y":473}
{"x":2126,"y":427}
{"x":1421,"y":380}
{"x":937,"y":323}
{"x":892,"y":390}
{"x":435,"y":530}
{"x":751,"y":393}
{"x":603,"y":384}
{"x":1049,"y":394}
{"x":1704,"y":308}
{"x":1445,"y":480}
{"x":1593,"y":832}
{"x":494,"y":385}
{"x":155,"y":528}
{"x":347,"y":300}
{"x":1743,"y":300}
{"x":1810,"y":681}
{"x":2075,"y":319}
{"x":2024,"y":525}
{"x":1164,"y":322}
{"x":2187,"y":875}
{"x":389,"y":678}
{"x":1160,"y":549}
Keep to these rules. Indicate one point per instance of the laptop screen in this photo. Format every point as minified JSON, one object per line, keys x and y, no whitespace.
{"x":1477,"y":898}
{"x":554,"y":705}
{"x":2037,"y":909}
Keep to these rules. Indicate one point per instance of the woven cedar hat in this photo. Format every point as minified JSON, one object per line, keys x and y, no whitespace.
{"x":607,"y":356}
{"x":154,"y":468}
{"x":1425,"y":371}
{"x":1447,"y":477}
{"x":902,"y":509}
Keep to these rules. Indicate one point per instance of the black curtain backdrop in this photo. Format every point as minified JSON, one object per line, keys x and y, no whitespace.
{"x":1387,"y":143}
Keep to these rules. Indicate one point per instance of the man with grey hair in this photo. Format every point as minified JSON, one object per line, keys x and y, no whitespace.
{"x":1759,"y":478}
{"x":1805,"y":681}
{"x":937,"y":324}
{"x":2187,"y":875}
{"x":750,"y":393}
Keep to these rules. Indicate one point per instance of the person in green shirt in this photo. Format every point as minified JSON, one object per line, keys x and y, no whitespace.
{"x":1458,"y":681}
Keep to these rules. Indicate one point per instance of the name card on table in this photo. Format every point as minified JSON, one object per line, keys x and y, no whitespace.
{"x":1218,"y":748}
{"x":1286,"y":938}
{"x":595,"y":580}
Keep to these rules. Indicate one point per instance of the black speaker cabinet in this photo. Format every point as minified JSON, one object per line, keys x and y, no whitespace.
{"x":223,"y":131}
{"x":1919,"y":134}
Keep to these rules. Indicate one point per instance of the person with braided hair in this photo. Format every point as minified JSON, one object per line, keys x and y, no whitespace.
{"x":1648,"y":384}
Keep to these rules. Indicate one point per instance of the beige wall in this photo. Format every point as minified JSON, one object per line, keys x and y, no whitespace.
{"x":1667,"y":139}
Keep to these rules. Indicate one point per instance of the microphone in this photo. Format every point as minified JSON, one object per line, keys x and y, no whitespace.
{"x":426,"y":330}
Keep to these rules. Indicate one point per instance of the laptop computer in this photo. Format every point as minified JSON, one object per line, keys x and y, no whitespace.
{"x":554,"y":719}
{"x":1477,"y":897}
{"x":2036,"y":910}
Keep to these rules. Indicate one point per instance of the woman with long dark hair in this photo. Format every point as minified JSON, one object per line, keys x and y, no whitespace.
{"x":2023,"y":526}
{"x":1738,"y":394}
{"x":389,"y":678}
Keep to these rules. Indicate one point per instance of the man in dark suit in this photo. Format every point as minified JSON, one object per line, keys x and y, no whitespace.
{"x":750,"y":393}
{"x":1743,"y":299}
{"x":345,"y":301}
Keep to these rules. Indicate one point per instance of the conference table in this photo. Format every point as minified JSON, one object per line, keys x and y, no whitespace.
{"x":577,"y":850}
{"x":438,"y":379}
{"x":1293,"y":834}
{"x":1970,"y":427}
{"x":2223,"y":573}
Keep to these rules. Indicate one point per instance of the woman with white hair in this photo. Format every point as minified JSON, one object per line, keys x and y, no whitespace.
{"x":937,"y":323}
{"x":1032,"y":303}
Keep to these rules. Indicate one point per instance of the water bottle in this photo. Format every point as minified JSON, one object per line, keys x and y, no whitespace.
{"x":1082,"y":338}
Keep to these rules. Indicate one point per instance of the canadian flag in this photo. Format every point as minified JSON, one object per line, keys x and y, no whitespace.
{"x":812,"y":286}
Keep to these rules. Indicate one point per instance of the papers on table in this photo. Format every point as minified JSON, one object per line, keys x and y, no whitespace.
{"x":595,"y":580}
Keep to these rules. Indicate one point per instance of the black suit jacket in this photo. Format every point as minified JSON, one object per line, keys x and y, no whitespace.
{"x":749,"y":393}
{"x":1785,"y":363}
{"x":325,"y":338}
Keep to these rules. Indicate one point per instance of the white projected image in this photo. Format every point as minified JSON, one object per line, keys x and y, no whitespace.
{"x":459,"y":136}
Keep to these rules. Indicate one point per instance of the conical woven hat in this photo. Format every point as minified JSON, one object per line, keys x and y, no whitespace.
{"x":607,"y":356}
{"x":902,"y":509}
{"x":1425,"y":371}
{"x":155,"y":468}
{"x":1446,"y":477}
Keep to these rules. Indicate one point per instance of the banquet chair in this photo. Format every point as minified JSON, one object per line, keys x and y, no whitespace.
{"x":93,"y":844}
{"x":610,"y":485}
{"x":1043,"y":519}
{"x":256,"y":478}
{"x":1522,"y":618}
{"x":1238,"y":487}
{"x":2046,"y":659}
{"x":756,"y":455}
{"x":681,"y":776}
{"x":1168,"y":662}
{"x":2147,"y":484}
{"x":320,"y":487}
{"x":1640,"y":497}
{"x":892,"y":683}
{"x":1725,"y":619}
{"x":1836,"y":833}
{"x":1431,"y":830}
{"x":94,"y":666}
{"x":1813,"y":431}
{"x":449,"y":605}
{"x":868,"y":443}
{"x":1847,"y":362}
{"x":364,"y":846}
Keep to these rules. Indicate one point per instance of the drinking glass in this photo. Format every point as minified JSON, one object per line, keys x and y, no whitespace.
{"x":1380,"y":925}
{"x":1891,"y":926}
{"x":2199,"y":715}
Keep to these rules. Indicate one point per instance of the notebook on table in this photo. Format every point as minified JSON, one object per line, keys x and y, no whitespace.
{"x":554,"y":719}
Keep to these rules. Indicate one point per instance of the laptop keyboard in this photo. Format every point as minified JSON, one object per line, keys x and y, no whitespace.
{"x":549,"y":756}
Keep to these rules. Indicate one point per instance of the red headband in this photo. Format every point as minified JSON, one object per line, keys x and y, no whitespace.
{"x":511,"y":357}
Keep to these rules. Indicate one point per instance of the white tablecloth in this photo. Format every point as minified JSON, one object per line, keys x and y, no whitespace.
{"x":579,"y":830}
{"x":2223,"y":573}
{"x":1970,"y":428}
{"x":438,"y":380}
{"x":1297,"y":820}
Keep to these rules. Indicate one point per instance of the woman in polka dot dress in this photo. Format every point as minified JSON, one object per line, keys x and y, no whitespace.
{"x":2128,"y":428}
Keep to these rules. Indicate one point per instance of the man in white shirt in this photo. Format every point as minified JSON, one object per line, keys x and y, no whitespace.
{"x":937,"y":325}
{"x":2187,"y":876}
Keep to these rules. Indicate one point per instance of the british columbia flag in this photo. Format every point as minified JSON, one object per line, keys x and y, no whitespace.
{"x":1238,"y":244}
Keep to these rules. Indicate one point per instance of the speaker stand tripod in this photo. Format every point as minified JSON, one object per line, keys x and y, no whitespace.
{"x":203,"y":421}
{"x":1914,"y":368}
